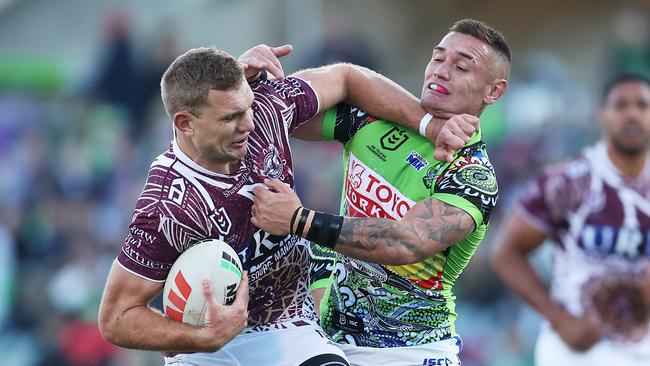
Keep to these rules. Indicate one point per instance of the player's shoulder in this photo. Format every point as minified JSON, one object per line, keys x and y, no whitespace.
{"x":471,"y":176}
{"x":161,"y":167}
{"x":474,"y":154}
{"x":288,"y":87}
{"x":159,"y":179}
{"x":472,"y":167}
{"x":575,"y":168}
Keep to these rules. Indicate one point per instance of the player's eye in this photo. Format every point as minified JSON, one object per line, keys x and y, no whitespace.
{"x":232,"y":117}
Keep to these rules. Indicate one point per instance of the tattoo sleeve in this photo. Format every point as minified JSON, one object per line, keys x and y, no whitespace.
{"x":429,"y":227}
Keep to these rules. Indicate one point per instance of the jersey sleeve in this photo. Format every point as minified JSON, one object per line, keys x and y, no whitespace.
{"x":469,"y":183}
{"x":321,"y":266}
{"x":342,"y":121}
{"x":146,"y":251}
{"x":292,"y":99}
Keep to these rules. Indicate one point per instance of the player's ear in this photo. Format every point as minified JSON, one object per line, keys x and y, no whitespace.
{"x":499,"y":88}
{"x":182,"y":121}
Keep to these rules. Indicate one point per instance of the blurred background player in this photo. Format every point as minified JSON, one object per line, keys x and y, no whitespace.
{"x":596,"y":208}
{"x":419,"y":217}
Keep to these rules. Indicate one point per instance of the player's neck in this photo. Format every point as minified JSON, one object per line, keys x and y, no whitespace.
{"x":195,"y":155}
{"x":629,"y":165}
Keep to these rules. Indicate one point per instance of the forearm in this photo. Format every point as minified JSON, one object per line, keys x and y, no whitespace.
{"x":385,"y":241}
{"x":381,"y":97}
{"x":366,"y":89}
{"x":516,"y":271}
{"x":144,"y":328}
{"x":428,"y":228}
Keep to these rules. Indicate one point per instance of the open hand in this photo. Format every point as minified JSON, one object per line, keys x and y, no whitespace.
{"x":263,"y":57}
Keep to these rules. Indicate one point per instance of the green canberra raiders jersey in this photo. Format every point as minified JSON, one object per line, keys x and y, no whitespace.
{"x":388,"y":169}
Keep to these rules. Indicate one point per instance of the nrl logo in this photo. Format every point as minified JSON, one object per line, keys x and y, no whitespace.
{"x":393,"y":139}
{"x":273,"y":165}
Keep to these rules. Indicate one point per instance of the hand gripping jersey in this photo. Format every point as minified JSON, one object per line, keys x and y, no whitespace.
{"x":600,"y":223}
{"x":388,"y":169}
{"x":183,"y":203}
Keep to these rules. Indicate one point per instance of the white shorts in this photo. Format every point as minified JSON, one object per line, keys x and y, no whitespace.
{"x":551,"y":350}
{"x":285,"y":347}
{"x":444,"y":353}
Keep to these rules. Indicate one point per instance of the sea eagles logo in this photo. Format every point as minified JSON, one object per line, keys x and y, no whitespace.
{"x":273,"y":165}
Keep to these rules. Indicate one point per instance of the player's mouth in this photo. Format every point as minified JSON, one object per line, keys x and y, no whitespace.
{"x":438,"y":88}
{"x":240,"y":143}
{"x":632,"y":129}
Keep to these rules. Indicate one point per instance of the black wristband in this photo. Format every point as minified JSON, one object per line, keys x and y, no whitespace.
{"x":303,"y":221}
{"x":325,"y":229}
{"x":293,"y":219}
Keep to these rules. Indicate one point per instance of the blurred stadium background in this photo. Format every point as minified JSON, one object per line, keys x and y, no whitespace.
{"x":81,"y":119}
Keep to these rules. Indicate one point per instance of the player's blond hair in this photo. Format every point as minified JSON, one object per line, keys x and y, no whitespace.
{"x":187,"y":81}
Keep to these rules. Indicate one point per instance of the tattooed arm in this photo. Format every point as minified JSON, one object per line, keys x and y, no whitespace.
{"x":428,"y":227}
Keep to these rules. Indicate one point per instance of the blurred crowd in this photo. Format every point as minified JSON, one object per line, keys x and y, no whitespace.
{"x":74,"y":160}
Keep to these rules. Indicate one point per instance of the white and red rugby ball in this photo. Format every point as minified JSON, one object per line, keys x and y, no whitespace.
{"x":211,"y":260}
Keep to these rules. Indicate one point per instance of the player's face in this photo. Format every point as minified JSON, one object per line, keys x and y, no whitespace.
{"x":459,"y":78}
{"x":626,"y":117}
{"x":220,"y":134}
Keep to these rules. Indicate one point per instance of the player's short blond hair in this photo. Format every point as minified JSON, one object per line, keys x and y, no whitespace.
{"x":187,"y":81}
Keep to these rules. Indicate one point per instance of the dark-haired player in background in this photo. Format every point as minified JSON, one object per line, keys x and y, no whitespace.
{"x":596,"y":208}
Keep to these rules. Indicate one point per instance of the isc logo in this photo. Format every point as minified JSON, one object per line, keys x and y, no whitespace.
{"x":437,"y":361}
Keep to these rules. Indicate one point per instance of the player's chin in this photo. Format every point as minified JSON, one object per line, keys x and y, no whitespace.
{"x":632,"y":145}
{"x":239,"y":150}
{"x":433,"y":102}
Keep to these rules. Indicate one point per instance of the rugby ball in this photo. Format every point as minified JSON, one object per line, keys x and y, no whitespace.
{"x":211,"y":260}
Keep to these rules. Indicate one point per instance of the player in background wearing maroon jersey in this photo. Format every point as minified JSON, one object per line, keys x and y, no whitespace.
{"x":596,"y":208}
{"x":228,"y":137}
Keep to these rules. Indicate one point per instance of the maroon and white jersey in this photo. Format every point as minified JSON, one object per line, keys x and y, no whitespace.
{"x":600,"y":223}
{"x":183,"y":203}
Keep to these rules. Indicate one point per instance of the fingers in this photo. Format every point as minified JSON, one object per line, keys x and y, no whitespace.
{"x":241,"y":298}
{"x":263,"y":57}
{"x":472,"y":120}
{"x":259,"y":192}
{"x":282,"y":51}
{"x":468,"y":128}
{"x":208,"y":293}
{"x":277,"y":185}
{"x":462,"y":131}
{"x":255,"y":221}
{"x":273,"y":64}
{"x":449,"y":142}
{"x":443,"y":155}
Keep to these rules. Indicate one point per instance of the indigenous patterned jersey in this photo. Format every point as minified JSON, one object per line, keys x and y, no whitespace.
{"x":600,"y":222}
{"x":183,"y":203}
{"x":388,"y":169}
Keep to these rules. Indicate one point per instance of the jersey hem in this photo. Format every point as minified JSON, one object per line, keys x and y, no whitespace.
{"x":136,"y":273}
